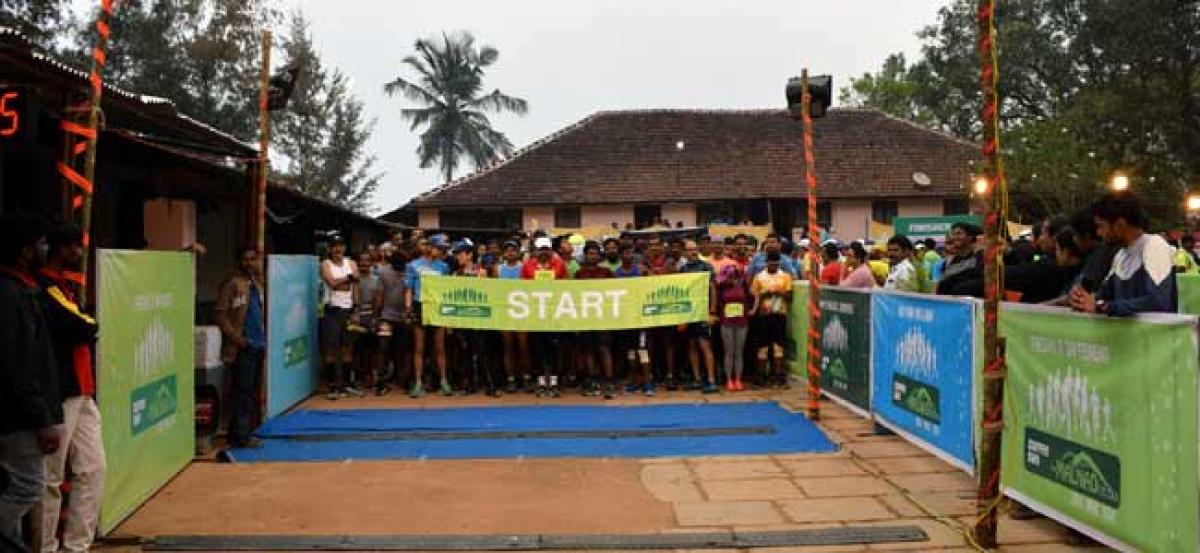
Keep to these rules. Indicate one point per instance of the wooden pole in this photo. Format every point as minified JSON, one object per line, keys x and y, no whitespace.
{"x":90,"y":134}
{"x":995,"y":195}
{"x":264,"y":143}
{"x":814,"y":238}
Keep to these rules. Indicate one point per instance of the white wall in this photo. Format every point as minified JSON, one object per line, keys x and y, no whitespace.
{"x":606,"y":214}
{"x":685,"y":212}
{"x":427,"y":217}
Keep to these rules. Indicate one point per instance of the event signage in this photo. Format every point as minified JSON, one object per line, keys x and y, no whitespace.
{"x":145,"y":375}
{"x":1189,"y":293}
{"x":1100,"y":419}
{"x":846,"y":346}
{"x":920,"y":228}
{"x":564,"y":305}
{"x":924,"y":371}
{"x":291,"y":330}
{"x":798,"y":329}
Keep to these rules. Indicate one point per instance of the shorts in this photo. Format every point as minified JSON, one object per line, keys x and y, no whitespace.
{"x":593,"y":340}
{"x":698,"y":330}
{"x":416,"y":314}
{"x":333,"y":328}
{"x":769,"y":330}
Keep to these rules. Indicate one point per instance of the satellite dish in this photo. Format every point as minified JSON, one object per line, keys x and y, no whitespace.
{"x":921,"y":179}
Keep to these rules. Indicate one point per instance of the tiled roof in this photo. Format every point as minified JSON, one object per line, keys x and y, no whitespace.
{"x":632,"y":156}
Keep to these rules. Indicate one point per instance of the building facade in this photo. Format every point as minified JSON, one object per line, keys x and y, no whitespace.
{"x":697,"y":167}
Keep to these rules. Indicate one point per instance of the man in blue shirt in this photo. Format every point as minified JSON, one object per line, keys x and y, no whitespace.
{"x":699,"y":347}
{"x":759,"y":261}
{"x":1142,"y":278}
{"x":431,"y":263}
{"x":239,"y":314}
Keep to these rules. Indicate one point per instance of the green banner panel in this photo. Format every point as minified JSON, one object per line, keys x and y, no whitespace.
{"x":920,"y":228}
{"x":564,"y":305}
{"x":1189,"y":293}
{"x":798,"y":329}
{"x":145,"y":357}
{"x":846,"y":346}
{"x":1100,"y":423}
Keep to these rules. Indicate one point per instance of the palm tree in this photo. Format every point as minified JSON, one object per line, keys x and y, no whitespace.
{"x":450,"y":88}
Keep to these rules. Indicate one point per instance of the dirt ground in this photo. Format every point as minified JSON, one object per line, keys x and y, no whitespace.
{"x":872,"y":480}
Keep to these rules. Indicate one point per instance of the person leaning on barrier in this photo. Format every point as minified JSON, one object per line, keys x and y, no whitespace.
{"x":967,"y":263}
{"x":1142,"y":278}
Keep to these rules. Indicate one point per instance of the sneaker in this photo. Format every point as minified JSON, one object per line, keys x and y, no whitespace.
{"x":711,"y":388}
{"x":331,"y":395}
{"x":446,"y":389}
{"x":609,"y":391}
{"x":511,"y":386}
{"x":553,"y":391}
{"x":632,"y":388}
{"x":382,"y":390}
{"x":648,"y":389}
{"x":691,"y":386}
{"x":353,"y":391}
{"x":417,"y":390}
{"x":672,"y":385}
{"x":343,"y":394}
{"x":730,"y":385}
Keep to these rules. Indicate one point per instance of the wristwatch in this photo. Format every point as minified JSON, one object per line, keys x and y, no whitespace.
{"x":1101,"y":307}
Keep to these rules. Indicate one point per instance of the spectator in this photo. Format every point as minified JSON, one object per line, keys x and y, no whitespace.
{"x":857,"y":271}
{"x":1142,"y":278}
{"x":967,"y":262}
{"x":30,"y":407}
{"x":240,"y":315}
{"x":903,"y":275}
{"x":831,"y":273}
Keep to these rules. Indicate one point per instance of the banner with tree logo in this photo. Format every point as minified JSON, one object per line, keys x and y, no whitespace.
{"x":1100,"y":424}
{"x":846,"y":347}
{"x":924,"y":372}
{"x":145,"y":373}
{"x":291,"y":330}
{"x":798,"y":329}
{"x":564,"y":305}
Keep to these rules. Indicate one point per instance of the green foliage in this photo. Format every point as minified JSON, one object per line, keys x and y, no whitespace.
{"x":1087,"y":88}
{"x":41,"y":21}
{"x":449,"y":89}
{"x":322,"y":133}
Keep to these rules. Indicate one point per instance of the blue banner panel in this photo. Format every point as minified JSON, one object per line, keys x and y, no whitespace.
{"x":291,"y":330}
{"x":923,"y":372}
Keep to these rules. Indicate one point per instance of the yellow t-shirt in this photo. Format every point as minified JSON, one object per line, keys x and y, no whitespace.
{"x":778,"y":283}
{"x":879,"y":269}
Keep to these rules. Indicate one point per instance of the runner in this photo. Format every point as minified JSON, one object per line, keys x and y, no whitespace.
{"x":545,"y":266}
{"x":719,"y":259}
{"x":516,"y":344}
{"x":634,"y":343}
{"x":599,"y":343}
{"x":662,"y":339}
{"x":698,"y":345}
{"x":393,"y":335}
{"x":772,"y":244}
{"x":475,"y":343}
{"x":368,"y":301}
{"x":429,"y":264}
{"x":772,"y":290}
{"x":733,"y":305}
{"x":339,"y":275}
{"x":612,"y":254}
{"x":566,"y":252}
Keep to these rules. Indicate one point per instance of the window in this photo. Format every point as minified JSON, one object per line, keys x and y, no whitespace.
{"x":884,"y":211}
{"x":567,"y":217}
{"x":646,"y":215}
{"x":956,"y":206}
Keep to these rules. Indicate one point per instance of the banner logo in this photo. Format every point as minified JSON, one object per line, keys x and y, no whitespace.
{"x":835,"y":337}
{"x":155,"y":350}
{"x":466,"y":302}
{"x":295,"y":351}
{"x":1067,"y":403}
{"x":916,"y":397}
{"x":1088,"y":471}
{"x":916,"y":354}
{"x":667,"y":300}
{"x":152,"y":403}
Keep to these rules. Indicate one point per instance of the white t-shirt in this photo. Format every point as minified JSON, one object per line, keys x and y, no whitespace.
{"x":903,"y":277}
{"x":340,"y":298}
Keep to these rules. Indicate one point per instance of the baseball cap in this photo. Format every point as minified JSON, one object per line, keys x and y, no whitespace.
{"x":576,"y":240}
{"x":804,"y":243}
{"x":542,"y":242}
{"x":439,"y":241}
{"x":511,"y":244}
{"x":462,"y":246}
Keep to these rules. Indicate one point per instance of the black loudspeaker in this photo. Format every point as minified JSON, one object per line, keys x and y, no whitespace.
{"x":821,"y":89}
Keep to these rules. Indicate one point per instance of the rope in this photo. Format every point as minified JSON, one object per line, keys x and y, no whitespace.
{"x":814,"y":281}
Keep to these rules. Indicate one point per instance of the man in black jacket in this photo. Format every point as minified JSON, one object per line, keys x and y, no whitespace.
{"x":967,"y":263}
{"x":73,"y":333}
{"x":30,"y":407}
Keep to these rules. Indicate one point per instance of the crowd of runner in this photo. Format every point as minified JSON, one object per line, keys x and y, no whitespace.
{"x":373,"y":337}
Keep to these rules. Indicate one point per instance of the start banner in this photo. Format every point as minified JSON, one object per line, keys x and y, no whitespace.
{"x":1100,"y":424}
{"x":564,"y":305}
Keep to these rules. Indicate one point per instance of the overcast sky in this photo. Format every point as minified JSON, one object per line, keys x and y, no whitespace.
{"x":570,"y":58}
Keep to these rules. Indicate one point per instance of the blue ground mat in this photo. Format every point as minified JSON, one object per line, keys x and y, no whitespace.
{"x":737,"y":428}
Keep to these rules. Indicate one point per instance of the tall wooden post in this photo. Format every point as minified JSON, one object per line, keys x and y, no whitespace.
{"x":264,"y":144}
{"x":814,"y":237}
{"x":995,"y":193}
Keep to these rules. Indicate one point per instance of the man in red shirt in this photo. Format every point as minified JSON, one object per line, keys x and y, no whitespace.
{"x":598,"y":343}
{"x":544,"y":265}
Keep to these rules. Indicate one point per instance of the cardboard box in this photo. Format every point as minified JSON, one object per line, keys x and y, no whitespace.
{"x":208,"y":347}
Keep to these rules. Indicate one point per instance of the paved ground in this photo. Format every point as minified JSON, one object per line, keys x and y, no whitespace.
{"x":872,"y":480}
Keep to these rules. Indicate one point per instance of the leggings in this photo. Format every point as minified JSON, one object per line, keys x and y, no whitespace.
{"x":734,"y":338}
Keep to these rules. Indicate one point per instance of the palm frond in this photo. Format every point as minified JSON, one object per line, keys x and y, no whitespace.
{"x":411,"y":91}
{"x":498,"y":101}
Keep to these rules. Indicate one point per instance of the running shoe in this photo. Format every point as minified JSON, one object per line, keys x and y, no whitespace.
{"x":446,"y":389}
{"x":609,"y":391}
{"x":711,"y":388}
{"x":354,"y":391}
{"x":731,"y":385}
{"x":632,"y":388}
{"x":648,"y":389}
{"x":691,"y":386}
{"x":382,"y":390}
{"x":553,"y":391}
{"x":511,"y":386}
{"x":417,"y":390}
{"x":671,"y":384}
{"x":331,"y":395}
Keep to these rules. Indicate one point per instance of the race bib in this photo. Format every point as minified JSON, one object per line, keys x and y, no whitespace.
{"x":735,"y":310}
{"x":543,"y":275}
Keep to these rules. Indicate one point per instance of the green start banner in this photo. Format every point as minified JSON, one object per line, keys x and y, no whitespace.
{"x":1189,"y":293}
{"x":846,"y":347}
{"x":798,"y":329}
{"x":1100,"y":423}
{"x":145,"y":373}
{"x":564,"y":305}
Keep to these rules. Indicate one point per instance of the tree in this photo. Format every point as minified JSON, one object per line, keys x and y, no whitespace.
{"x":450,"y":89}
{"x":892,"y":90}
{"x":41,"y":21}
{"x":322,"y":134}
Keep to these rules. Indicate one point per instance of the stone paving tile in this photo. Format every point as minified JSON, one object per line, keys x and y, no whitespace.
{"x":845,"y":509}
{"x":893,"y":447}
{"x":843,"y":486}
{"x":939,"y":534}
{"x":671,"y":482}
{"x":1050,"y":548}
{"x":811,"y":549}
{"x":911,"y":465}
{"x":935,"y":482}
{"x":716,"y":513}
{"x":843,"y":466}
{"x":951,"y":504}
{"x":732,"y":490}
{"x":1038,"y":530}
{"x":763,"y":468}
